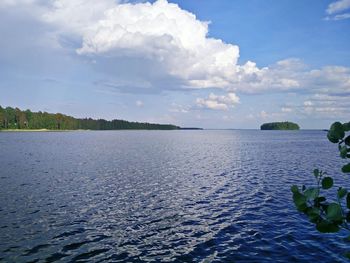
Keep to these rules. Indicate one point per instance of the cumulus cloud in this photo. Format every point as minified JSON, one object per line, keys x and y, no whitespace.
{"x":215,"y":102}
{"x":160,"y":37}
{"x":75,"y":16}
{"x":338,"y":7}
{"x":321,"y":106}
{"x":150,"y":47}
{"x":294,"y":75}
{"x":161,"y":31}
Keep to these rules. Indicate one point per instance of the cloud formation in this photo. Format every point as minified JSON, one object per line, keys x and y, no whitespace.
{"x":215,"y":102}
{"x":163,"y":32}
{"x":168,"y":48}
{"x":320,"y":106}
{"x":337,"y":7}
{"x":149,"y":48}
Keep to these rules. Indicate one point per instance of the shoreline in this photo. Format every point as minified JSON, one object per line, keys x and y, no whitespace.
{"x":48,"y":130}
{"x":37,"y":130}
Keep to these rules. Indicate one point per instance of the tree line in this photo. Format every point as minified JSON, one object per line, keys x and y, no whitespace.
{"x":286,"y":125}
{"x":14,"y":118}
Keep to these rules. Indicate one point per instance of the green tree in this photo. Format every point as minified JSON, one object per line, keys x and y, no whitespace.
{"x":29,"y":117}
{"x":328,"y":216}
{"x":286,"y":125}
{"x":11,"y":118}
{"x":21,"y":119}
{"x":2,"y":118}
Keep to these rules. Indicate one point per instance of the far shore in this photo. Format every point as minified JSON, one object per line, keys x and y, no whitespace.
{"x":48,"y":130}
{"x":36,"y":130}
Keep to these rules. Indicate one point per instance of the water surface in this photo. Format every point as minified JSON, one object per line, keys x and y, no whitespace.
{"x":161,"y":196}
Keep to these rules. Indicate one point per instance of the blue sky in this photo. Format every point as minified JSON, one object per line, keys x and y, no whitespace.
{"x":211,"y":64}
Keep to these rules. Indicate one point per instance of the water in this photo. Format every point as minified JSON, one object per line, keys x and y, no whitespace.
{"x":161,"y":196}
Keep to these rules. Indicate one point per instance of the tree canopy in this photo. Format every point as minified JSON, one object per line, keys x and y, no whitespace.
{"x":14,"y":118}
{"x":280,"y":126}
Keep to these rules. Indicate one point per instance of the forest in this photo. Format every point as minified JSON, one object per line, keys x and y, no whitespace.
{"x":280,"y":126}
{"x":14,"y":118}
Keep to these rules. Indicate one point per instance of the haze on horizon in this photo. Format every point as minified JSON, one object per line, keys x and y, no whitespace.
{"x":210,"y":64}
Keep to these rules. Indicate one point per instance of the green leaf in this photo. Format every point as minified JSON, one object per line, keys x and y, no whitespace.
{"x":346,"y":168}
{"x":294,"y":189}
{"x":336,"y":132}
{"x":327,"y":182}
{"x":327,"y":227}
{"x":313,"y":214}
{"x":343,"y":151}
{"x":347,"y":140}
{"x":320,"y":199}
{"x":316,"y":173}
{"x":331,"y":138}
{"x":342,"y":192}
{"x":311,"y":193}
{"x":299,"y":201}
{"x":348,"y":200}
{"x":334,"y":212}
{"x":346,"y":126}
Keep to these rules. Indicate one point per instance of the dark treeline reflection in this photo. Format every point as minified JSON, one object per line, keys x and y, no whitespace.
{"x":14,"y":118}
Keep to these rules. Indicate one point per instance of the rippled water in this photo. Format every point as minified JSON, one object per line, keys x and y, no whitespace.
{"x":161,"y":196}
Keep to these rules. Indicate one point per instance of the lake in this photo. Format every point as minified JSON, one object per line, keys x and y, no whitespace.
{"x":162,"y":196}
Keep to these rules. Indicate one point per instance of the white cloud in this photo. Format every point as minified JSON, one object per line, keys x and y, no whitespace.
{"x":7,"y":3}
{"x":283,"y":75}
{"x":177,"y":108}
{"x":76,"y":16}
{"x":145,"y":47}
{"x":324,"y":106}
{"x":273,"y":116}
{"x":330,"y":79}
{"x":308,"y":103}
{"x":139,"y":103}
{"x":167,"y":34}
{"x":338,"y":6}
{"x":215,"y":102}
{"x":286,"y":109}
{"x":342,"y":16}
{"x":161,"y":31}
{"x":293,"y":75}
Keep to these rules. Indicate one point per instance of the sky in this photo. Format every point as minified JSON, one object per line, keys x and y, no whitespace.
{"x":193,"y":63}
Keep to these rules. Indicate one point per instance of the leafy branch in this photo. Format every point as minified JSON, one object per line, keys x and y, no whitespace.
{"x":329,"y":216}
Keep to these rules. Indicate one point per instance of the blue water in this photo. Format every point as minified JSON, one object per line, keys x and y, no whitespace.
{"x":161,"y":196}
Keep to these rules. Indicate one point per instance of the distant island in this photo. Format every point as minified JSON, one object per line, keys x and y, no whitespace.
{"x":16,"y":119}
{"x":280,"y":126}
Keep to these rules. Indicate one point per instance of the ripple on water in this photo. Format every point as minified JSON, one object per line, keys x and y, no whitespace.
{"x":194,"y":196}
